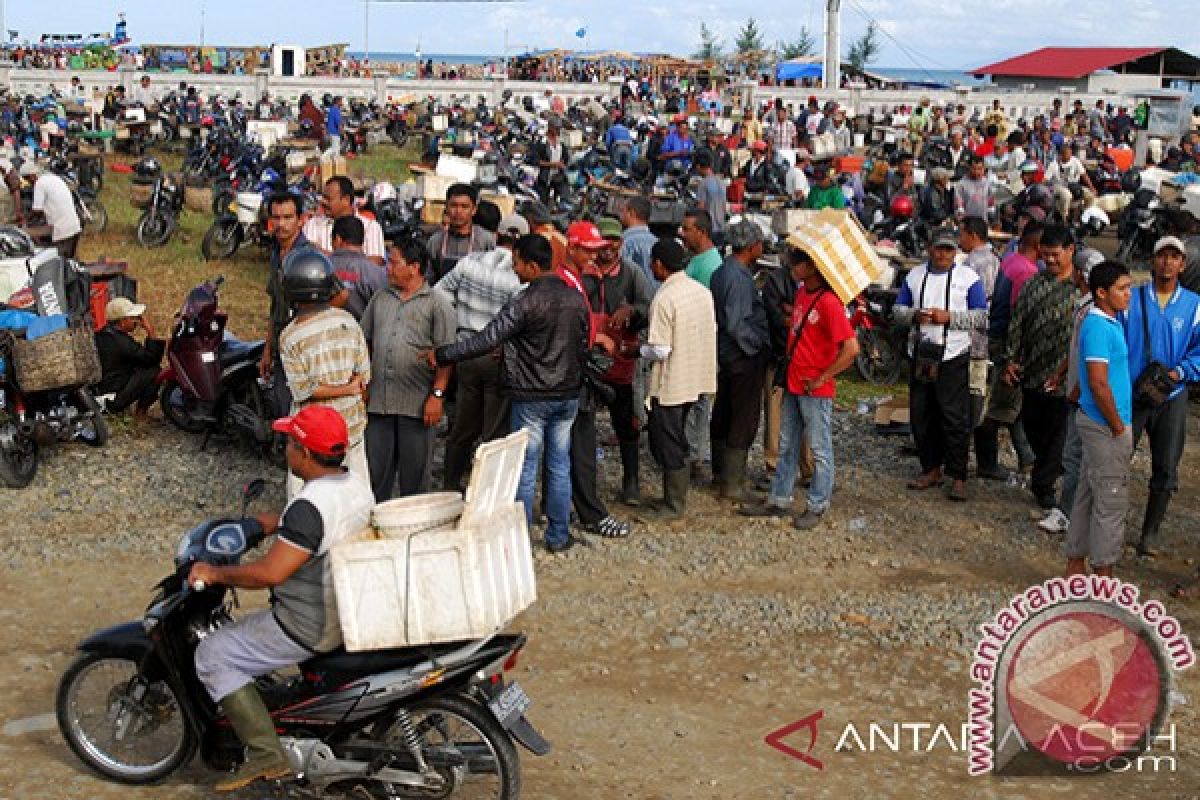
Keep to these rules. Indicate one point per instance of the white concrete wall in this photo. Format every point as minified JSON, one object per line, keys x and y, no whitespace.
{"x":38,"y":82}
{"x":384,"y":88}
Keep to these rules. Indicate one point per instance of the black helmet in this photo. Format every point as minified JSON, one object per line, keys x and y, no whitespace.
{"x":147,"y":167}
{"x":58,"y":165}
{"x":308,"y":277}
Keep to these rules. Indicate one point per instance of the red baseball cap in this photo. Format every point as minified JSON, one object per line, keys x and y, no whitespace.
{"x":585,"y":235}
{"x":320,"y":429}
{"x":759,"y":144}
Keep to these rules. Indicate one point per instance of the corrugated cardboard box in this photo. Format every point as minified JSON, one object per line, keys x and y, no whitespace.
{"x":505,"y":202}
{"x":839,"y":247}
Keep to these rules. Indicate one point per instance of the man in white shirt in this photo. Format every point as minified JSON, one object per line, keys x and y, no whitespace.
{"x":53,"y":200}
{"x":144,"y":94}
{"x":337,"y":200}
{"x":1066,"y":175}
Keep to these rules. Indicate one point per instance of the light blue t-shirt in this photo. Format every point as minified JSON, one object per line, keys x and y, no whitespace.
{"x":1101,"y":339}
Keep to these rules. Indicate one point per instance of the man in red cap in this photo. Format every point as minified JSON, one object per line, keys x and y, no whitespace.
{"x":584,"y":243}
{"x":303,"y":618}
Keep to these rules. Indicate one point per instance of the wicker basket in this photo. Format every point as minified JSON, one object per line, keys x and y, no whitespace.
{"x":139,"y":194}
{"x":60,"y":359}
{"x":198,"y":199}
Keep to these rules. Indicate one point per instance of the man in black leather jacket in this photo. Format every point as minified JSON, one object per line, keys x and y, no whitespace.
{"x":544,"y":332}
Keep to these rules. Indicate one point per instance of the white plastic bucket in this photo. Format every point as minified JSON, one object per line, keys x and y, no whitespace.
{"x":248,"y":205}
{"x":397,"y":519}
{"x":860,"y":140}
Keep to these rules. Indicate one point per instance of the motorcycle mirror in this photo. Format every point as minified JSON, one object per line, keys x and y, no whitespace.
{"x":251,"y":492}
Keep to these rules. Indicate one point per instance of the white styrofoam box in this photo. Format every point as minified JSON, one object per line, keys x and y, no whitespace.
{"x":495,"y":475}
{"x":248,"y":205}
{"x":573,"y":139}
{"x":267,"y":131}
{"x":1114,"y":203}
{"x":433,"y":187}
{"x":1153,"y":178}
{"x":14,"y":275}
{"x":448,"y":584}
{"x":461,"y":169}
{"x":1190,"y":201}
{"x":440,"y":122}
{"x":434,"y":586}
{"x":134,"y":115}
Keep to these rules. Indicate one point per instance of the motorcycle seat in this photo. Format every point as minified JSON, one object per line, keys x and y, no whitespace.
{"x":371,"y":662}
{"x":233,"y":351}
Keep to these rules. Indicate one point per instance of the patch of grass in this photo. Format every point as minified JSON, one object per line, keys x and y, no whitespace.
{"x":851,"y":389}
{"x":165,"y":274}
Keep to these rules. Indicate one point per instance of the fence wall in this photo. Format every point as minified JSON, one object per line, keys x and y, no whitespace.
{"x":384,"y":88}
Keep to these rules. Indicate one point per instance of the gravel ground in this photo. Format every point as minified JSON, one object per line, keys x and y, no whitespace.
{"x":662,"y":659}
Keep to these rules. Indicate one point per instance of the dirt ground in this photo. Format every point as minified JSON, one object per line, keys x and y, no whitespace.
{"x":657,"y":672}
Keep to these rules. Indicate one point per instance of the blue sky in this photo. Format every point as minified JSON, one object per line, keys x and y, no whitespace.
{"x":935,"y":33}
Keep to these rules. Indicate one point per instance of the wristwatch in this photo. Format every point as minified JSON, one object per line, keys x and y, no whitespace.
{"x":439,"y":393}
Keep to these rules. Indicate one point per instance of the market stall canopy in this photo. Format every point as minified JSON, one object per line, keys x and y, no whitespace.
{"x":798,"y":69}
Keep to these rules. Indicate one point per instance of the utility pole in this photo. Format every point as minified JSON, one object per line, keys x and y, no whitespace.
{"x":366,"y":30}
{"x":202,"y":6}
{"x":833,"y":57}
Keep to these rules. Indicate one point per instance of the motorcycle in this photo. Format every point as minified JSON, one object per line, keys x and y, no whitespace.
{"x":31,"y":421}
{"x":243,"y":220}
{"x":428,"y":721}
{"x":158,"y":222}
{"x":211,"y":381}
{"x":882,"y":345}
{"x":1142,"y":223}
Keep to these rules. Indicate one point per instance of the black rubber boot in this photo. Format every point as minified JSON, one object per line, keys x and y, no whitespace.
{"x":631,"y":492}
{"x":1156,"y":510}
{"x":718,"y":462}
{"x":734,"y":476}
{"x":674,"y":502}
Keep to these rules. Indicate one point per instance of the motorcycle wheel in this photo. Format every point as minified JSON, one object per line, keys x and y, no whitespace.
{"x":252,"y":395}
{"x":178,"y":408}
{"x":98,"y":214}
{"x":107,"y":713}
{"x":19,"y":463}
{"x":400,"y":139}
{"x":94,"y":431}
{"x":877,"y":361}
{"x":222,"y":197}
{"x":452,"y":728}
{"x":221,"y":240}
{"x":155,"y":228}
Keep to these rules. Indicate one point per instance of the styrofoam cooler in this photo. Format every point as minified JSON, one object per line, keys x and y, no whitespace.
{"x":443,"y":585}
{"x":248,"y":205}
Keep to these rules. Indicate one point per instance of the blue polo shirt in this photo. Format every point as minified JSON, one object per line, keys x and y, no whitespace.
{"x":1102,"y":340}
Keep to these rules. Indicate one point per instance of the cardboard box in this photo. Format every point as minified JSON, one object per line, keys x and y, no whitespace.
{"x":839,"y":246}
{"x":506,"y":202}
{"x":432,"y":211}
{"x":893,"y":412}
{"x":433,"y":187}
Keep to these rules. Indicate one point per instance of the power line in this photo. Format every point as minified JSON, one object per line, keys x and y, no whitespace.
{"x":911,"y":54}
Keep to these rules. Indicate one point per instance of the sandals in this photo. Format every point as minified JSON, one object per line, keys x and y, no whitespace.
{"x":611,"y":528}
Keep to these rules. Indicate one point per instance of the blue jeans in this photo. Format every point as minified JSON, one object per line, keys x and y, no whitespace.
{"x":549,"y":425}
{"x":811,"y":418}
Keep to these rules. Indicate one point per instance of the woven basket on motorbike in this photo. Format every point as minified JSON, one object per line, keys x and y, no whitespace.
{"x":139,"y":194}
{"x":198,"y":199}
{"x":60,"y":359}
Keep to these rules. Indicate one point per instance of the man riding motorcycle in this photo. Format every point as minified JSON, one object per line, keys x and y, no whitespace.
{"x":303,"y":619}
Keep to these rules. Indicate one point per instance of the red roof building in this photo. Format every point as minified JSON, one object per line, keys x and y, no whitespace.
{"x":1094,"y":69}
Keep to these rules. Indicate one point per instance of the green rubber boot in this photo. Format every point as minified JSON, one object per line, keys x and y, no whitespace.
{"x":265,"y":759}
